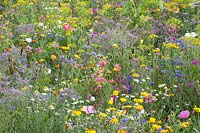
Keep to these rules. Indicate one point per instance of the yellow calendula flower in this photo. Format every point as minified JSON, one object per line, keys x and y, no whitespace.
{"x":90,"y":131}
{"x":110,"y":102}
{"x":184,"y":124}
{"x":152,"y":120}
{"x":139,"y":107}
{"x":196,"y":109}
{"x":144,"y":94}
{"x":115,"y":93}
{"x":135,"y":75}
{"x":138,"y":100}
{"x":114,"y":121}
{"x":122,"y":100}
{"x":112,"y":109}
{"x":76,"y":112}
{"x":128,"y":106}
{"x":42,"y":35}
{"x":53,"y":57}
{"x":156,"y":126}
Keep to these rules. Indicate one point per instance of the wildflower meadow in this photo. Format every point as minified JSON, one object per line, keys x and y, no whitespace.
{"x":99,"y":66}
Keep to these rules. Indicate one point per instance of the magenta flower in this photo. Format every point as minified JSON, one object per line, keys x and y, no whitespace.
{"x":184,"y":114}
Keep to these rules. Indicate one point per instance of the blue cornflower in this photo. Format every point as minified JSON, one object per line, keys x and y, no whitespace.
{"x":129,"y":77}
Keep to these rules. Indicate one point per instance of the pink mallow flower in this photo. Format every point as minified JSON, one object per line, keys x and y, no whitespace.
{"x":39,"y":50}
{"x":28,"y":48}
{"x":184,"y":114}
{"x":88,"y":109}
{"x":101,"y":63}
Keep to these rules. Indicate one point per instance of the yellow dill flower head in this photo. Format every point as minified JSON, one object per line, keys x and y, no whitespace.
{"x":102,"y":115}
{"x":153,"y":36}
{"x":106,"y":6}
{"x":114,"y":121}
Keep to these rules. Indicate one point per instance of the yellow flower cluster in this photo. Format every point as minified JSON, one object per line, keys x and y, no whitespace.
{"x":171,"y":45}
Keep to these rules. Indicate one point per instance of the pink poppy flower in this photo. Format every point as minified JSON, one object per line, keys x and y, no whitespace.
{"x":184,"y":114}
{"x":67,"y":27}
{"x":89,"y":109}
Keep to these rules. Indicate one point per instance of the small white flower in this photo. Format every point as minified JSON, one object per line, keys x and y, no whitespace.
{"x":192,"y":34}
{"x":49,"y":71}
{"x":41,"y":24}
{"x":161,"y":85}
{"x":28,"y":39}
{"x":51,"y":107}
{"x":92,"y":98}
